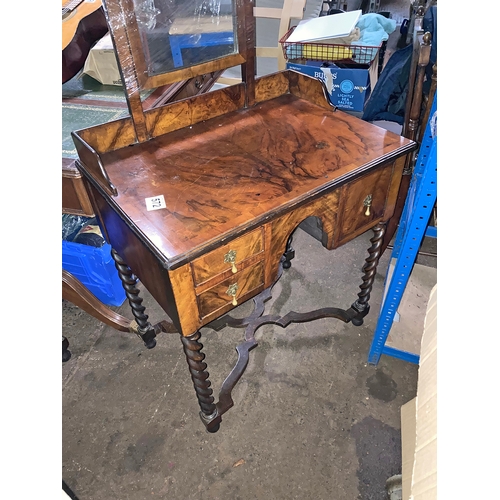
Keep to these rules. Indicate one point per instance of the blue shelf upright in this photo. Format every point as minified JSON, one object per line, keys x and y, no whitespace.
{"x":413,"y":227}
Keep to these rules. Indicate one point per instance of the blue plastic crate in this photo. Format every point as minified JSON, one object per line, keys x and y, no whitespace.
{"x":95,"y":268}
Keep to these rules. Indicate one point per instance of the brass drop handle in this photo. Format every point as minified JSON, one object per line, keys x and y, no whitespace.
{"x":367,"y":203}
{"x":230,"y":258}
{"x":231,"y":291}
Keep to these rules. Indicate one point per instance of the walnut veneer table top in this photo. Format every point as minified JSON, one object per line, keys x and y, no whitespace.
{"x":232,"y":171}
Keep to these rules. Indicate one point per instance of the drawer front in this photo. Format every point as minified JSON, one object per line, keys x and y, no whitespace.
{"x":222,"y":259}
{"x":242,"y":285}
{"x":363,"y":202}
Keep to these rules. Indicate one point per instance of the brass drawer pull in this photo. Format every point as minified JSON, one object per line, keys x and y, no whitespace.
{"x":367,"y":203}
{"x":230,"y":258}
{"x":231,"y":291}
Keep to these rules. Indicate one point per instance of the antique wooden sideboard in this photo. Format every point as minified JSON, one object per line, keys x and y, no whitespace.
{"x":199,"y":198}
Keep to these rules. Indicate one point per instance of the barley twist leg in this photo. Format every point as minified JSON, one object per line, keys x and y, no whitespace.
{"x":361,"y":306}
{"x":145,"y":329}
{"x":198,"y":369}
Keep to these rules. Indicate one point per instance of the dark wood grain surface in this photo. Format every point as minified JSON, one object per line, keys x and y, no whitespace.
{"x":226,"y":172}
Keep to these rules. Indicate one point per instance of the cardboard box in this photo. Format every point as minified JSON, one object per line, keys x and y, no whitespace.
{"x":348,"y":88}
{"x":419,"y":418}
{"x":408,"y":433}
{"x":101,"y":63}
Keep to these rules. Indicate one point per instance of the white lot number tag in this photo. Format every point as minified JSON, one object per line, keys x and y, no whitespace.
{"x":155,"y":202}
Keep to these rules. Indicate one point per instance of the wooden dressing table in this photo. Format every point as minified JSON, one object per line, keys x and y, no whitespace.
{"x":199,"y":198}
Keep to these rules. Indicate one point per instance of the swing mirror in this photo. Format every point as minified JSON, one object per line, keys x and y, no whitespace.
{"x":164,"y":41}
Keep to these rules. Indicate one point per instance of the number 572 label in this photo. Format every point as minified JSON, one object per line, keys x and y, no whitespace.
{"x":155,"y":202}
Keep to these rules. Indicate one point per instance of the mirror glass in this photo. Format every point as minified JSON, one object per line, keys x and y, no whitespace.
{"x":176,"y":34}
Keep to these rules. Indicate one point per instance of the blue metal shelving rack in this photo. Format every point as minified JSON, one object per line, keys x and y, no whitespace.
{"x":413,"y":227}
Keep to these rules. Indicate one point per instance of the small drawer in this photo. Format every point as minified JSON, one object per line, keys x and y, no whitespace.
{"x":363,"y":202}
{"x":242,"y":286}
{"x":227,"y":257}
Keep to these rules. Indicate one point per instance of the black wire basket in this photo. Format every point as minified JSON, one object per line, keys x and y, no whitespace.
{"x":348,"y":55}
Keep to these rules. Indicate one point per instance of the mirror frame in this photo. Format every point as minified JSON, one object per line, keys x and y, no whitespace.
{"x":131,"y":57}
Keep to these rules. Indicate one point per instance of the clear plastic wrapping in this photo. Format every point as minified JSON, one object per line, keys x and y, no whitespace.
{"x":81,"y":229}
{"x":160,"y":36}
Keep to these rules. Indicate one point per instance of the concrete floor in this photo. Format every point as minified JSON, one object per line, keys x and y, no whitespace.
{"x":311,"y":419}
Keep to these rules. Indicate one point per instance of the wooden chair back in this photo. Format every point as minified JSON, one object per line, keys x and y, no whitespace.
{"x":419,"y":62}
{"x":416,"y":112}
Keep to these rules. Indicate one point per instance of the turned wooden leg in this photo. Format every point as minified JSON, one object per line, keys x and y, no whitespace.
{"x":289,"y":254}
{"x":198,"y":369}
{"x":66,"y":354}
{"x":369,"y":269}
{"x":145,"y":329}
